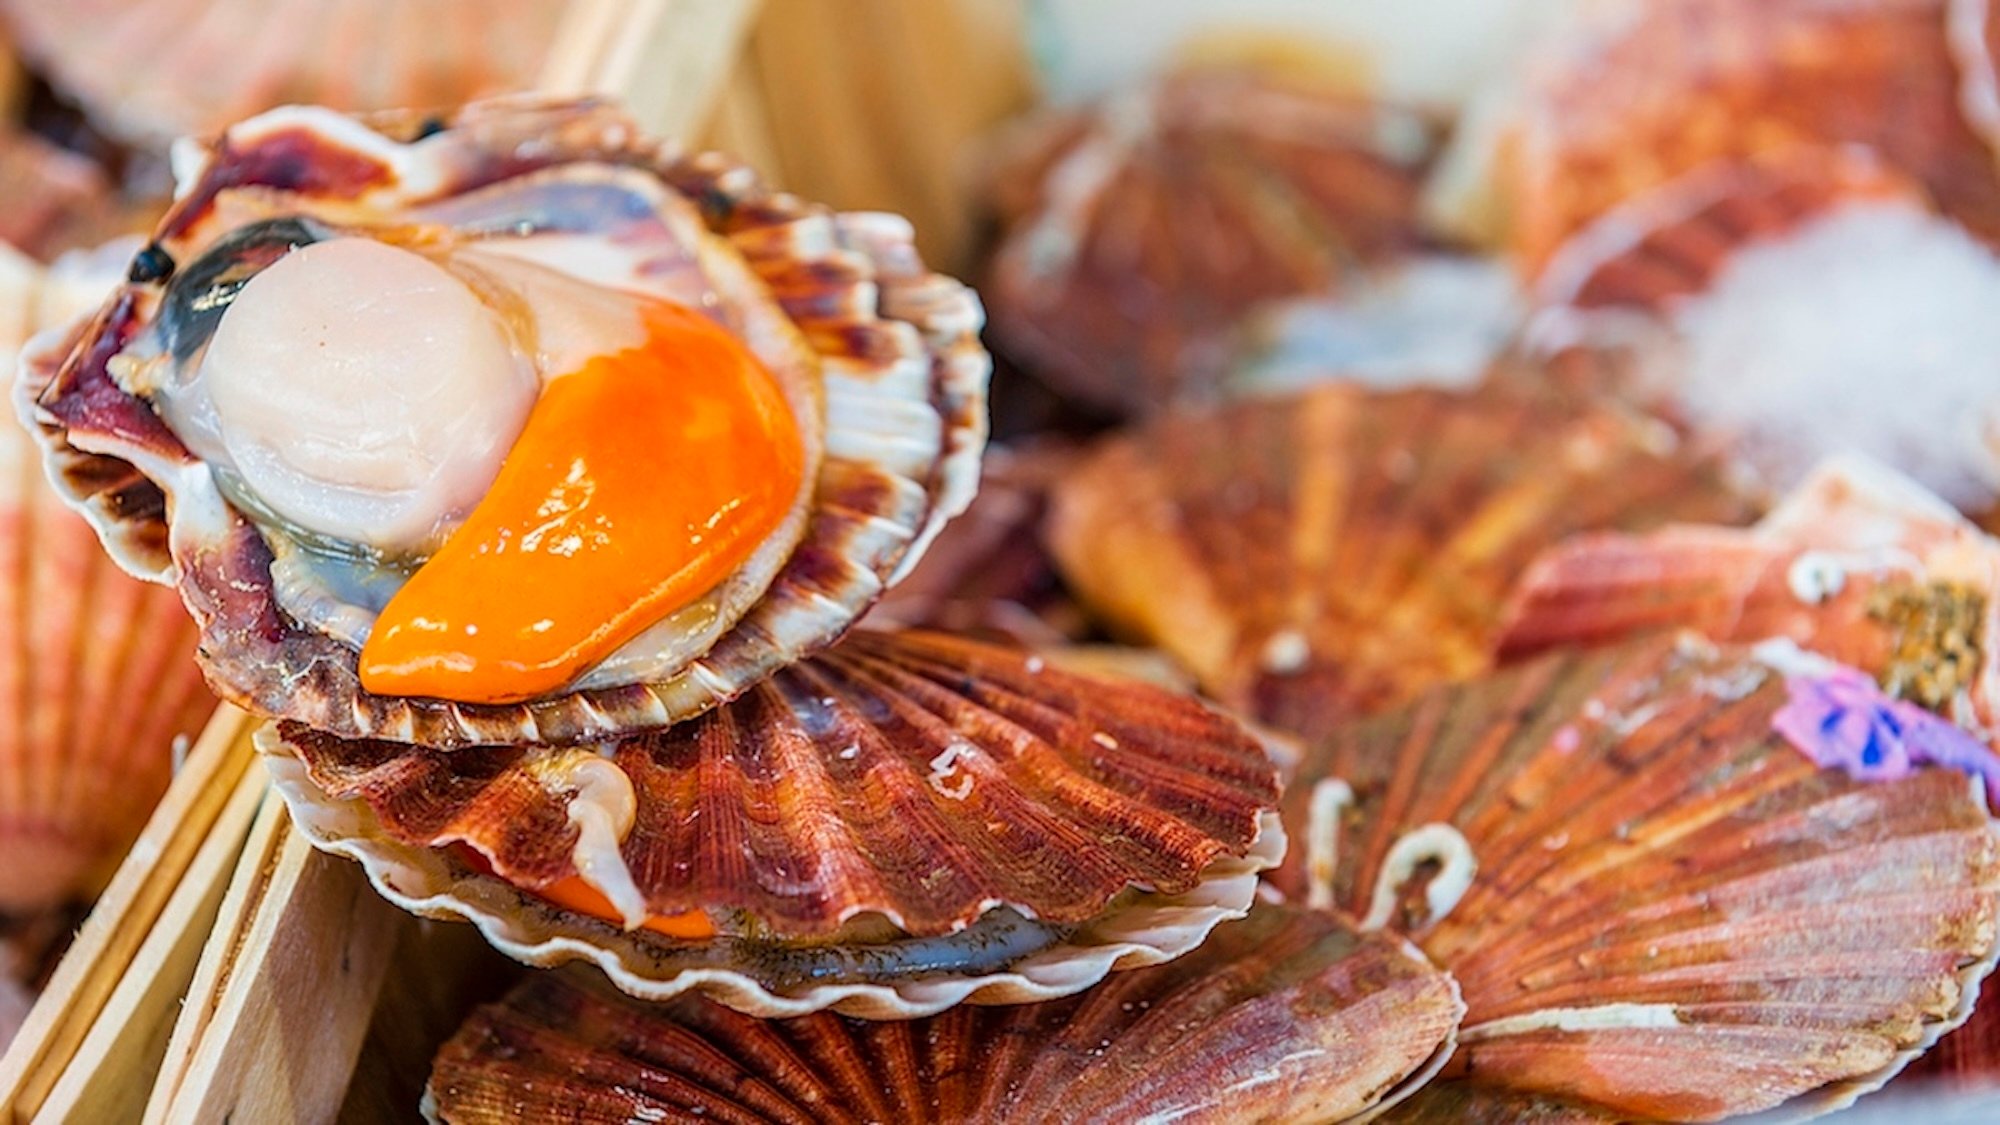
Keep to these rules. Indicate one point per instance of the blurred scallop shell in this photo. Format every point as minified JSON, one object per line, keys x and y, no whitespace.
{"x":55,"y":200}
{"x":988,"y":572}
{"x":1651,"y":91}
{"x":149,"y":71}
{"x":1804,"y":304}
{"x":896,"y":348}
{"x":1653,"y":903}
{"x":1975,"y":44}
{"x":914,"y":777}
{"x":1287,"y":1015}
{"x":1859,"y":564}
{"x":1138,"y":234}
{"x":97,"y":668}
{"x":1311,"y":556}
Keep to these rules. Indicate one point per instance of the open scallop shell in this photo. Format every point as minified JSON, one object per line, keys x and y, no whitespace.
{"x":1653,"y":903}
{"x":153,"y":70}
{"x":896,"y":348}
{"x":1859,"y":564}
{"x":1313,"y":555}
{"x":97,"y":668}
{"x":1651,"y":91}
{"x":1151,"y":225}
{"x":916,"y":777}
{"x":1287,"y":1015}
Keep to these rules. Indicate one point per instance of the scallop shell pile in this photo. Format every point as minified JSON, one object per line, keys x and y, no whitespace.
{"x":1596,"y":723}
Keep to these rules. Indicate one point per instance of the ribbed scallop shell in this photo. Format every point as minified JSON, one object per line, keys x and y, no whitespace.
{"x":1335,"y":551}
{"x":1287,"y":1015}
{"x":1653,"y":904}
{"x":97,"y":669}
{"x":1671,"y":242}
{"x":915,"y":776}
{"x":904,"y":384}
{"x":1139,"y":234}
{"x":1654,"y":90}
{"x":1858,"y":564}
{"x":153,"y":70}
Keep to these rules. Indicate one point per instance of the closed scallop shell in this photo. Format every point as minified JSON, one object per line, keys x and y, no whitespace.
{"x":97,"y":667}
{"x":913,"y":776}
{"x":1285,"y":1015}
{"x":1138,"y":234}
{"x":1316,"y":555}
{"x":153,"y":70}
{"x":1656,"y":906}
{"x":1652,"y":91}
{"x":1858,"y":564}
{"x":891,"y":349}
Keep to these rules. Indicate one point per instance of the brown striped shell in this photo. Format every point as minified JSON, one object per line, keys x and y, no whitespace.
{"x":1858,"y":564}
{"x":53,"y":200}
{"x":150,"y":71}
{"x":914,"y":777}
{"x":1652,"y":91}
{"x":1655,"y":906}
{"x":1139,"y":233}
{"x":1286,"y":1015}
{"x":1314,"y":555}
{"x":897,"y":354}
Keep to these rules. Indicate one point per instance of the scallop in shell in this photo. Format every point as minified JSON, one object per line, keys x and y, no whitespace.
{"x":1285,"y":1015}
{"x":244,"y":420}
{"x":1314,"y":555}
{"x":1645,"y":93}
{"x":901,"y":823}
{"x":154,"y":70}
{"x":1657,"y":901}
{"x":1147,"y":227}
{"x":97,"y":667}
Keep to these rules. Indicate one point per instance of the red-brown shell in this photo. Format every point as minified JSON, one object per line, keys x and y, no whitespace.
{"x":1138,"y":234}
{"x":1658,"y":89}
{"x":898,"y":347}
{"x":1857,"y":564}
{"x":1286,"y":1015}
{"x":1675,"y":914}
{"x":54,"y":200}
{"x":913,"y":775}
{"x":1315,"y":555}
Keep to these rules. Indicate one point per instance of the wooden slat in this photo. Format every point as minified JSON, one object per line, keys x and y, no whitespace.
{"x":113,"y":1070}
{"x":666,"y":59}
{"x":296,"y":991}
{"x":124,"y":915}
{"x":218,"y":954}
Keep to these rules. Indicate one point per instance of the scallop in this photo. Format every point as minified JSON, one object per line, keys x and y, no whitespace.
{"x":512,"y":426}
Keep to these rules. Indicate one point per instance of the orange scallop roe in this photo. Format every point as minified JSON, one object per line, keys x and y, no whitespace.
{"x":639,"y":482}
{"x":576,"y":895}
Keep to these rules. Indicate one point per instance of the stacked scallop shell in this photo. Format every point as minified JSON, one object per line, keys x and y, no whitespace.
{"x":779,"y":812}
